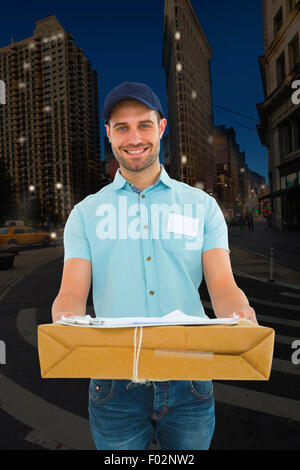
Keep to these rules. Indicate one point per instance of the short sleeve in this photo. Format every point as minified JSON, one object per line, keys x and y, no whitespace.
{"x":215,"y":227}
{"x":76,"y":244}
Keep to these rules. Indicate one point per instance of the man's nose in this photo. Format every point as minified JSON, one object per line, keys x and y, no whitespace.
{"x":134,"y":137}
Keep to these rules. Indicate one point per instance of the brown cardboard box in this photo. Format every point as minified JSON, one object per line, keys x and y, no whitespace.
{"x":225,"y":352}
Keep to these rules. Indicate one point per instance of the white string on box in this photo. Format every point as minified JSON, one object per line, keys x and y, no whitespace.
{"x":136,"y":354}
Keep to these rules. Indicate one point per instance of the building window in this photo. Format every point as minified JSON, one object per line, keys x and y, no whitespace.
{"x":280,"y":69}
{"x":282,"y":182}
{"x":294,"y":52}
{"x":285,"y":139}
{"x":291,"y":5}
{"x":278,"y":21}
{"x":292,"y":180}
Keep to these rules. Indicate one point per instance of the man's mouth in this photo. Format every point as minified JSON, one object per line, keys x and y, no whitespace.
{"x":136,"y":152}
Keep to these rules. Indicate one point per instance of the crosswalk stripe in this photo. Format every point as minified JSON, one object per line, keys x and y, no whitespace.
{"x":35,"y":437}
{"x":279,"y":321}
{"x":274,"y":304}
{"x":281,"y":339}
{"x":26,"y":325}
{"x":48,"y":420}
{"x":280,"y":365}
{"x":257,"y":401}
{"x":290,"y":294}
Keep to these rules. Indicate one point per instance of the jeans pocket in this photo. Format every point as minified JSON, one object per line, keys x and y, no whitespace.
{"x":101,"y":391}
{"x":201,"y":388}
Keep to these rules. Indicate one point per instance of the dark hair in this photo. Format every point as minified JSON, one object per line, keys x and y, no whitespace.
{"x":158,"y":115}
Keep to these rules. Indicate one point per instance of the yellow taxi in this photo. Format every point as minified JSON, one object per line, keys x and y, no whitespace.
{"x":22,"y":235}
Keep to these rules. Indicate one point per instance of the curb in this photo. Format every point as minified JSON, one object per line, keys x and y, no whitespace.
{"x":274,"y":282}
{"x":250,"y":276}
{"x":265,"y":257}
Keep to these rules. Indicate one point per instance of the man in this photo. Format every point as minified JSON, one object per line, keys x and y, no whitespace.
{"x":250,"y":221}
{"x":146,"y":266}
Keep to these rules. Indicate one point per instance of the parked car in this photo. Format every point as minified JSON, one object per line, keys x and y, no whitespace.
{"x":9,"y":248}
{"x":23,"y":235}
{"x":6,"y":260}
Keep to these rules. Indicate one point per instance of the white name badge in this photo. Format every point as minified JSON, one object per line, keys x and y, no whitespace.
{"x":183,"y":224}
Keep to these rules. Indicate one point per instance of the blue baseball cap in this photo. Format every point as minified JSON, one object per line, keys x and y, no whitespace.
{"x":132,"y":91}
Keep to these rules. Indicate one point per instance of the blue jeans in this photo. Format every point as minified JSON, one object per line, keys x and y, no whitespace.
{"x":125,"y":415}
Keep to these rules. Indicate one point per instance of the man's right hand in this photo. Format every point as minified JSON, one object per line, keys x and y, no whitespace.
{"x":74,"y":290}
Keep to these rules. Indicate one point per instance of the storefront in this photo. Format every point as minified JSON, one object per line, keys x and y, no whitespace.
{"x":290,"y":196}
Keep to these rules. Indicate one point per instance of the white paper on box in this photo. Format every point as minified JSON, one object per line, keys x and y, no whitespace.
{"x":173,"y":318}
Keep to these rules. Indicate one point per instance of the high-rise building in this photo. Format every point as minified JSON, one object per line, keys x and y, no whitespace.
{"x":239,"y":188}
{"x":49,"y":126}
{"x":279,"y":129}
{"x":108,"y":153}
{"x":186,"y":60}
{"x":227,"y":161}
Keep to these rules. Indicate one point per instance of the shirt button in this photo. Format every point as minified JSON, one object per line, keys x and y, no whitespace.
{"x":149,"y":258}
{"x":143,"y":195}
{"x":151,"y":292}
{"x":146,"y":226}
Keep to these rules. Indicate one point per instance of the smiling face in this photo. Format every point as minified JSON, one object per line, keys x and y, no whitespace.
{"x":134,"y":133}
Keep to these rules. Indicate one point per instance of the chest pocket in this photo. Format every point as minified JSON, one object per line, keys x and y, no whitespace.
{"x":185,"y":234}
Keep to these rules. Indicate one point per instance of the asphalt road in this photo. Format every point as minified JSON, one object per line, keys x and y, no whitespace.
{"x":52,"y":414}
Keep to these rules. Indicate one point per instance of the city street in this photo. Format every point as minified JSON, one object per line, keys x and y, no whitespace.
{"x":286,"y":244}
{"x":206,"y":98}
{"x":52,"y":414}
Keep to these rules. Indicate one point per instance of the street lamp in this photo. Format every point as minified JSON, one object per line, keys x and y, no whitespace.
{"x":31,"y":189}
{"x":59,"y":186}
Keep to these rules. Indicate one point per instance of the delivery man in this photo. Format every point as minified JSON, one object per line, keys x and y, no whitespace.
{"x":146,"y":240}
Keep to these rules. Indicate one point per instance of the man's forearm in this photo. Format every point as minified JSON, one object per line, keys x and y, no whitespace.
{"x":227,"y":300}
{"x":66,"y":302}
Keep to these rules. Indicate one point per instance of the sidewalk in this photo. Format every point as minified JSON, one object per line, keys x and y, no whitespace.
{"x":247,"y":263}
{"x":250,"y":253}
{"x":285,"y":244}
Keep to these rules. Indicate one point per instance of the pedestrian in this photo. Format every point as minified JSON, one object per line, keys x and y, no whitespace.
{"x":137,"y":273}
{"x":250,"y":222}
{"x":242,"y":222}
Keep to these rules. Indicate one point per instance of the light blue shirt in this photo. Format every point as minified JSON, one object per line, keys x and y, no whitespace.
{"x":145,"y":246}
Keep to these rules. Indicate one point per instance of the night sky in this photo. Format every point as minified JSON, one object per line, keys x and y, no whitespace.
{"x":123,"y":41}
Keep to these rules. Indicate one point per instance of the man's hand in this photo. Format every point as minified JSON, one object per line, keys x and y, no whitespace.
{"x":57,"y":316}
{"x":226,"y":296}
{"x":248,"y":313}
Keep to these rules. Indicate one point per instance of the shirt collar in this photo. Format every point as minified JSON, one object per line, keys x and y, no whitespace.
{"x":119,"y":180}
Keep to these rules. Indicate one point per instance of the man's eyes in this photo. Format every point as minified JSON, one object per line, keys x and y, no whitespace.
{"x":125,"y":127}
